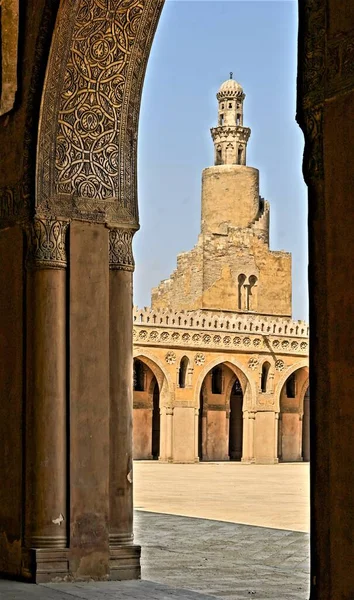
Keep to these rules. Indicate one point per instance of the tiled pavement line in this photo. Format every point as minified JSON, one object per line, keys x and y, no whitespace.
{"x":227,"y":560}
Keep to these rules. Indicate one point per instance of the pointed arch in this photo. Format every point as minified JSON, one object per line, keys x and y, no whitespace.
{"x":299,"y":365}
{"x":248,"y":385}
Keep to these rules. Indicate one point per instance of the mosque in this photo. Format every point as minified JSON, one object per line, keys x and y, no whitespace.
{"x":220,"y":367}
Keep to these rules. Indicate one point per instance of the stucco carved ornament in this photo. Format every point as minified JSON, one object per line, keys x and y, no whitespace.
{"x":279,"y":365}
{"x":199,"y":358}
{"x":170,"y":358}
{"x":46,"y":248}
{"x":253,"y":363}
{"x":120,"y":249}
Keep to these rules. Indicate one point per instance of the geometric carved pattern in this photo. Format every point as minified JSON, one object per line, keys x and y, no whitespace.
{"x":90,"y":109}
{"x":120,"y":249}
{"x":46,"y":244}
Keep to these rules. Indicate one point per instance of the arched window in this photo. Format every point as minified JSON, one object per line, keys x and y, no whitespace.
{"x":183,"y":366}
{"x":138,"y":376}
{"x":238,"y":119}
{"x":291,"y":386}
{"x":239,"y":155}
{"x":241,"y":291}
{"x":264,"y":377}
{"x":218,"y":156}
{"x":216,"y":380}
{"x":252,"y":280}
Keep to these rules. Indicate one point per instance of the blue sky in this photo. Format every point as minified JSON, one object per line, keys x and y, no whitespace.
{"x":196,"y":45}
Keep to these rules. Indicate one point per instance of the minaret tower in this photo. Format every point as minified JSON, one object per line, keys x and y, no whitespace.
{"x":230,"y":137}
{"x":230,"y":189}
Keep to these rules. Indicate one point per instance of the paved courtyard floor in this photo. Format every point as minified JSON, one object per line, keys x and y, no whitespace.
{"x":228,"y":531}
{"x":265,"y":495}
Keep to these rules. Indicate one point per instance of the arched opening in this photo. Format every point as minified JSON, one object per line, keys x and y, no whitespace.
{"x":182,"y":375}
{"x":250,"y":295}
{"x":155,"y":445}
{"x":138,"y":376}
{"x":265,"y":376}
{"x":241,"y":291}
{"x":291,"y":423}
{"x":220,"y":425}
{"x":236,"y":421}
{"x":239,"y":155}
{"x":216,"y":380}
{"x":291,"y":386}
{"x":146,"y":413}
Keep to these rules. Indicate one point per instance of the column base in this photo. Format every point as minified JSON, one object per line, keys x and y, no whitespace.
{"x":45,"y":565}
{"x":124,"y":562}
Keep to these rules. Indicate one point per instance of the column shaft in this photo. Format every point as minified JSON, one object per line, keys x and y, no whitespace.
{"x":46,"y":473}
{"x":121,"y":407}
{"x":124,"y":556}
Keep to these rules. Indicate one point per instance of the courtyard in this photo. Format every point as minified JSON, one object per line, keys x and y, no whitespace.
{"x":224,"y":530}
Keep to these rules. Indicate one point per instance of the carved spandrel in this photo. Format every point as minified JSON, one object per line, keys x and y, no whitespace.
{"x":90,"y":109}
{"x":9,"y":28}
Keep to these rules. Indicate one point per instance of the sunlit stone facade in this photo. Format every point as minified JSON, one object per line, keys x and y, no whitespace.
{"x":221,"y":369}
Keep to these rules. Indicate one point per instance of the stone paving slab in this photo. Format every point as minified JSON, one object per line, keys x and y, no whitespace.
{"x":187,"y":558}
{"x":227,"y":560}
{"x":111,"y":590}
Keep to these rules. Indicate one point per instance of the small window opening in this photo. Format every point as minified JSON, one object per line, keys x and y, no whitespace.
{"x":138,"y":376}
{"x":241,"y":281}
{"x":291,"y":386}
{"x":221,"y":120}
{"x":183,"y":372}
{"x":252,"y":280}
{"x":223,"y":106}
{"x":239,"y":156}
{"x":238,"y":119}
{"x":216,"y":380}
{"x":264,"y":378}
{"x":218,"y":156}
{"x":230,"y":104}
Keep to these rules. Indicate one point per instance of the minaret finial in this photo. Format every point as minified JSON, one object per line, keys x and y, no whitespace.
{"x":231,"y":74}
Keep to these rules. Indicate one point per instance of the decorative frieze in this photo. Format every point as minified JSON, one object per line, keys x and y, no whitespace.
{"x":240,"y":343}
{"x":46,"y":246}
{"x":120,"y":249}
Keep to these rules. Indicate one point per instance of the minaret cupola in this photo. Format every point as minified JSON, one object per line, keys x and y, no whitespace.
{"x":230,"y":137}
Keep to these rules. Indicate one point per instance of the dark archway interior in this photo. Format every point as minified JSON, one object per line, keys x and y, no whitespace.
{"x":236,"y":422}
{"x":155,"y":446}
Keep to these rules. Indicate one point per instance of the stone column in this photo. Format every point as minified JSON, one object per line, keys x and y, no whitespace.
{"x":276,"y":437}
{"x":124,"y":556}
{"x":196,"y":435}
{"x":169,"y":433}
{"x":46,"y":516}
{"x":162,"y":457}
{"x":248,"y":436}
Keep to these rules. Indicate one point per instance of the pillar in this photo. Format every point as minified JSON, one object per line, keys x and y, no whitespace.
{"x":46,"y":515}
{"x":276,"y":437}
{"x":124,"y":555}
{"x":196,"y":435}
{"x":248,"y":436}
{"x":169,"y":433}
